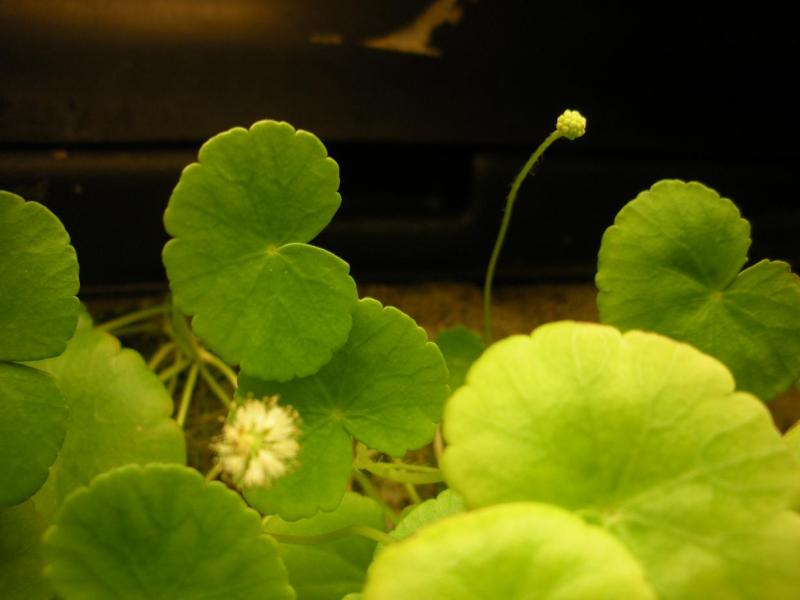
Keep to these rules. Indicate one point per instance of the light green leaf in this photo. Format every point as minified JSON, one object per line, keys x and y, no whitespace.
{"x":39,"y":280}
{"x":670,"y":264}
{"x":640,"y":433}
{"x":21,"y":561}
{"x":762,"y":562}
{"x":385,"y":387}
{"x":460,"y":347}
{"x":447,"y":503}
{"x":161,"y":532}
{"x":119,"y":414}
{"x":33,"y":416}
{"x":755,"y":562}
{"x":513,"y":551}
{"x":792,"y":438}
{"x":333,"y":569}
{"x":240,"y":217}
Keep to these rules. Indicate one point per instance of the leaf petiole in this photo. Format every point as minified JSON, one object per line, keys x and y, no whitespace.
{"x":134,"y":317}
{"x":214,"y":386}
{"x":213,"y":472}
{"x":401,"y":472}
{"x":181,"y":333}
{"x":175,"y":369}
{"x":160,"y":354}
{"x":370,"y":490}
{"x":438,"y":444}
{"x":186,"y":395}
{"x":151,"y":328}
{"x":361,"y":530}
{"x":220,"y":365}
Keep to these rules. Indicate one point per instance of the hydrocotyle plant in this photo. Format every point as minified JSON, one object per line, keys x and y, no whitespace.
{"x":580,"y":461}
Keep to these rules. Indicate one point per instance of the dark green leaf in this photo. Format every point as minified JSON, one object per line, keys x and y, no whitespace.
{"x":161,"y":532}
{"x":385,"y":388}
{"x":240,"y":217}
{"x":320,"y":480}
{"x":332,"y":569}
{"x":33,"y":416}
{"x":39,"y":275}
{"x":460,"y":347}
{"x":21,"y":562}
{"x":119,"y":414}
{"x":670,"y":264}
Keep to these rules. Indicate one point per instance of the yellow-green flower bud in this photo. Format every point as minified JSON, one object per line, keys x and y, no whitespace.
{"x":571,"y":124}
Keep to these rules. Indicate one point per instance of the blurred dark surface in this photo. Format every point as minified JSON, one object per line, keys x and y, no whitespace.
{"x":103,"y":102}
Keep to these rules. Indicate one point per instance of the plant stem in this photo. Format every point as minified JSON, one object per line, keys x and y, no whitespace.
{"x":501,"y":236}
{"x":214,"y":472}
{"x":412,"y":492}
{"x":182,"y":334}
{"x":220,"y":365}
{"x":370,"y":490}
{"x":362,"y":530}
{"x":171,"y":385}
{"x":402,"y":473}
{"x":186,"y":395}
{"x":438,"y":444}
{"x":413,"y":495}
{"x":139,"y":315}
{"x":401,"y":477}
{"x":173,"y":370}
{"x":160,"y":354}
{"x":137,"y":329}
{"x":215,"y":387}
{"x":376,"y":467}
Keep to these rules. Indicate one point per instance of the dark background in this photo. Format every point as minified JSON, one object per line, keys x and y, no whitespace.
{"x":103,"y":102}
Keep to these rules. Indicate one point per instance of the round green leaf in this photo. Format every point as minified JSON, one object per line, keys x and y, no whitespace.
{"x":756,"y":562}
{"x":638,"y":432}
{"x":119,"y":414}
{"x":445,"y":504}
{"x":332,"y":569}
{"x":670,"y":264}
{"x":270,"y":183}
{"x":161,"y":532}
{"x":460,"y":347}
{"x":39,"y":275}
{"x":514,"y":551}
{"x":240,"y":217}
{"x":21,"y":562}
{"x":33,"y":416}
{"x":761,"y":562}
{"x":385,"y":387}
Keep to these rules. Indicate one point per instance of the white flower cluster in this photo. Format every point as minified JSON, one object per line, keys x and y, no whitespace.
{"x":571,"y":124}
{"x":259,"y":445}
